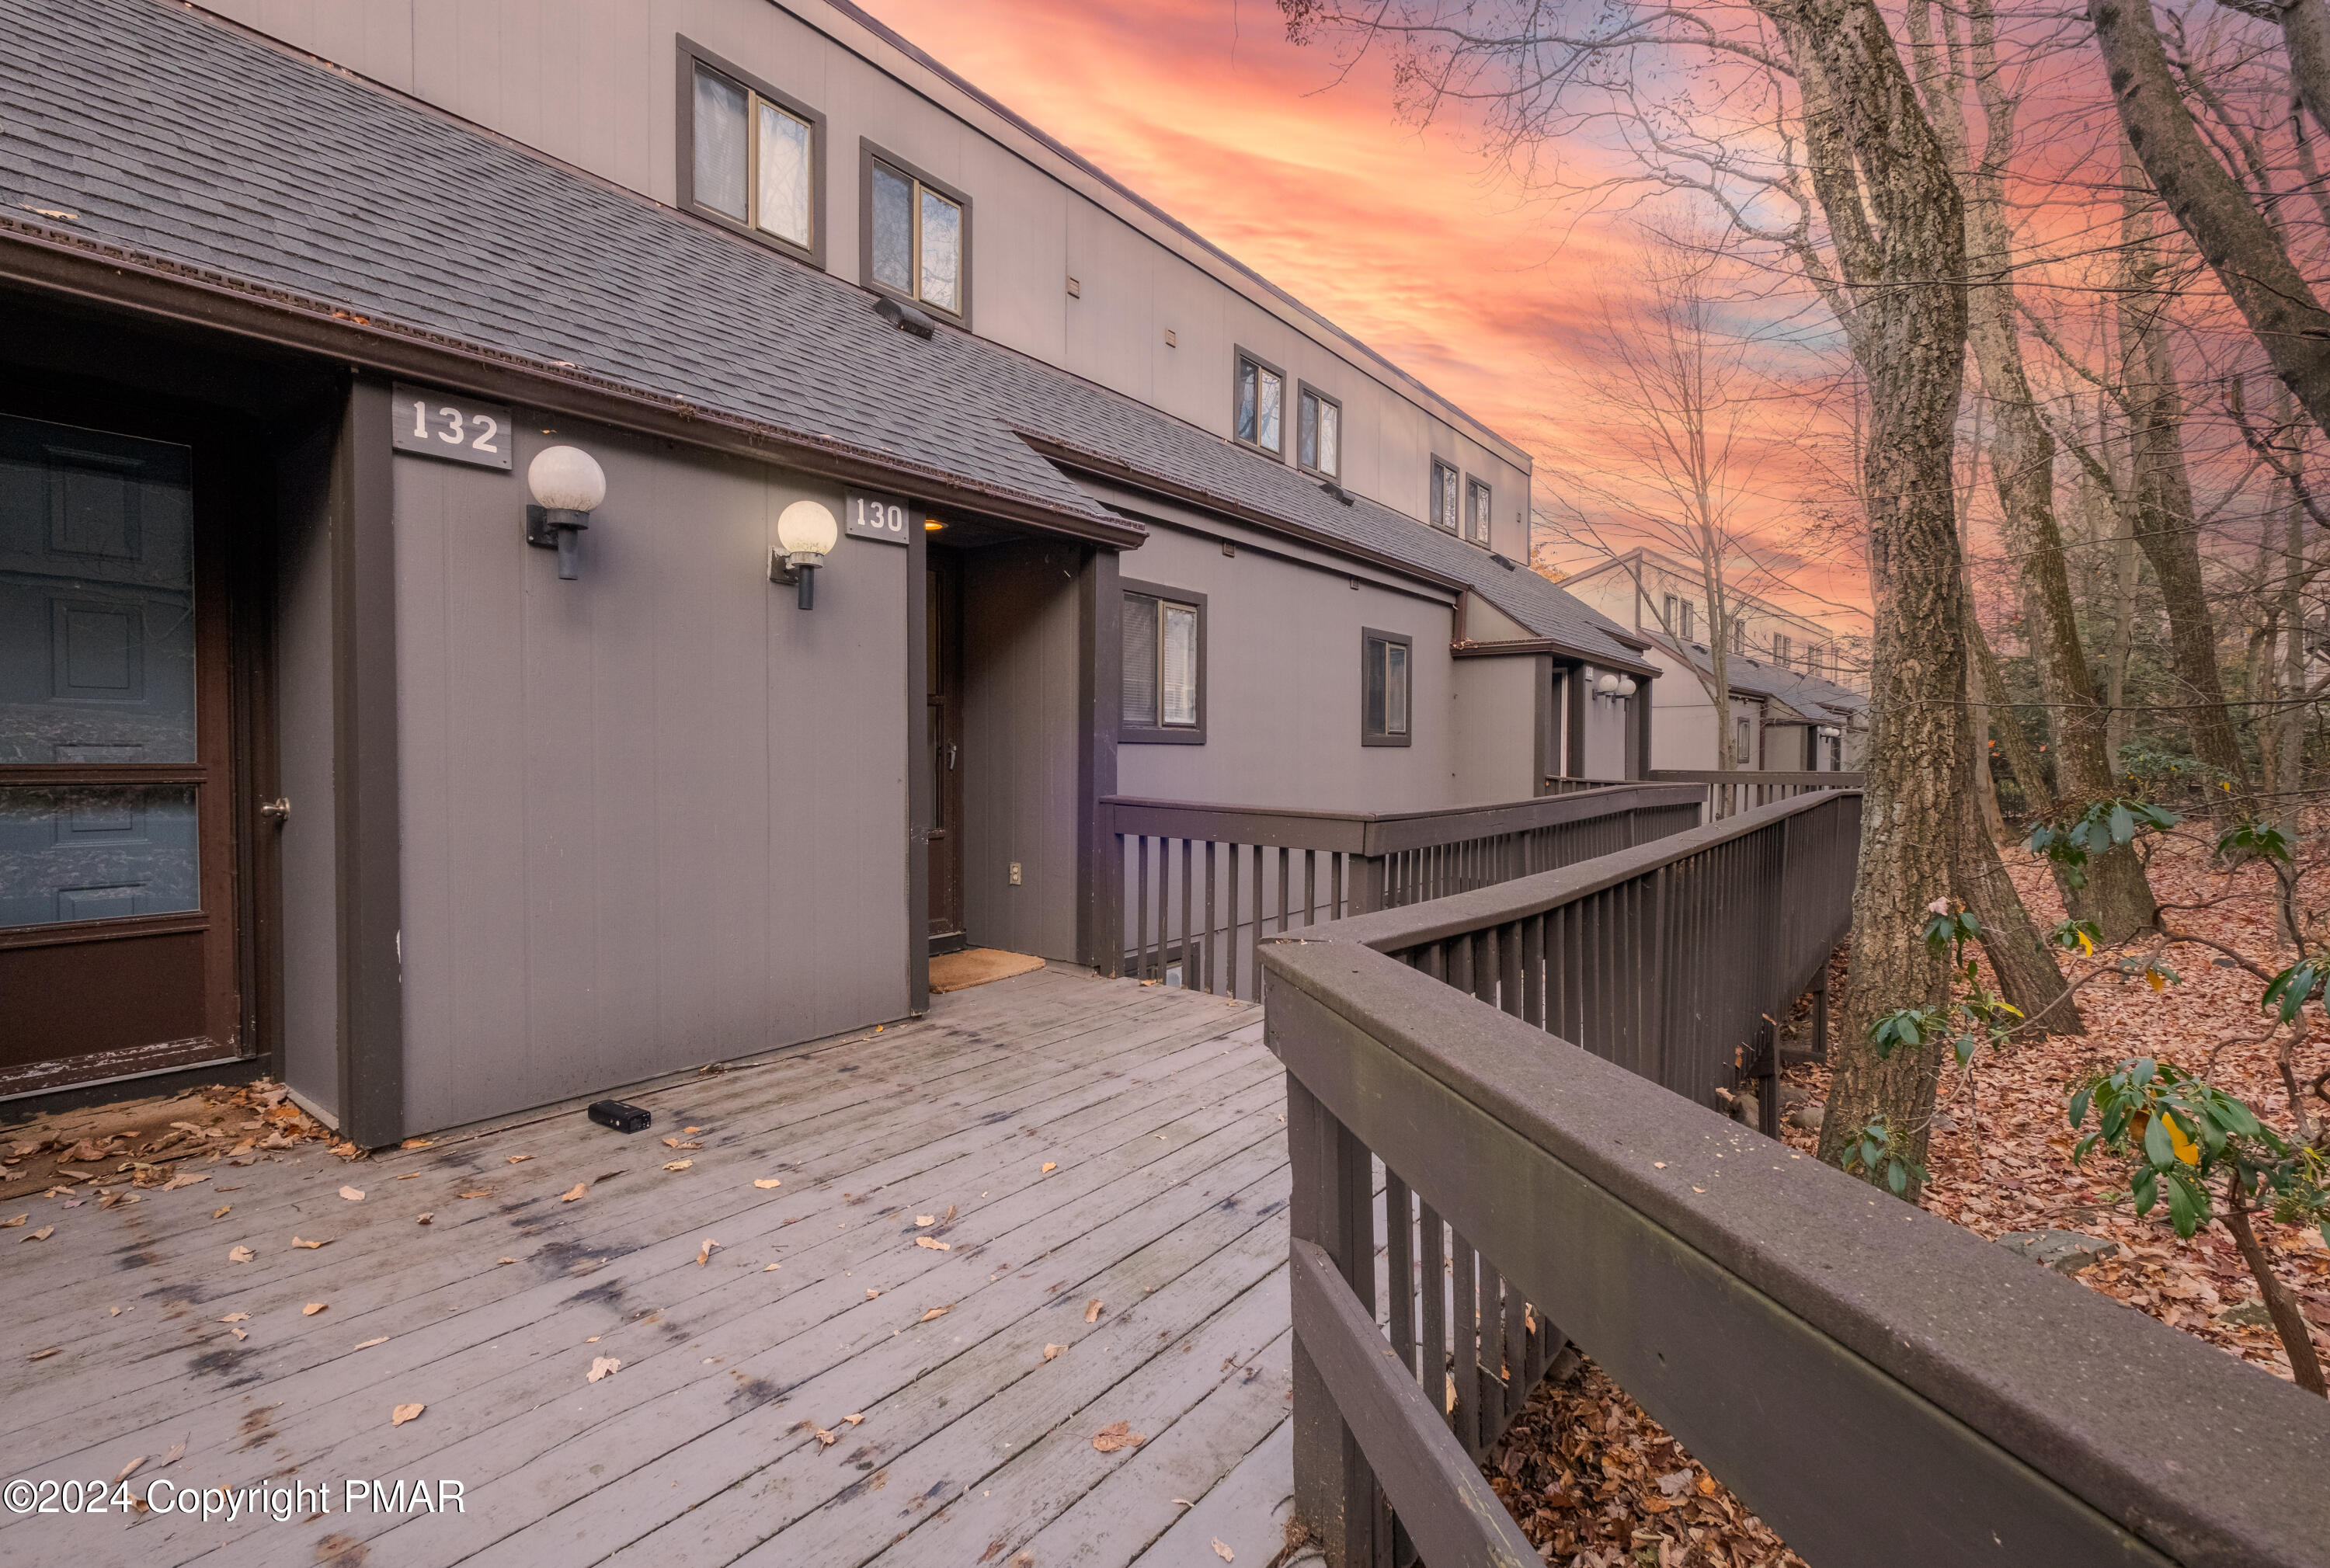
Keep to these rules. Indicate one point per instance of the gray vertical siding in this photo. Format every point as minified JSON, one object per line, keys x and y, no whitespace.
{"x":1023,"y":675}
{"x":1607,"y":731}
{"x":1283,"y":689}
{"x":652,"y":818}
{"x":1495,"y":731}
{"x":307,"y":842}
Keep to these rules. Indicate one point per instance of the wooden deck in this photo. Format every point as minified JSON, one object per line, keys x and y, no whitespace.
{"x":1092,"y":1141}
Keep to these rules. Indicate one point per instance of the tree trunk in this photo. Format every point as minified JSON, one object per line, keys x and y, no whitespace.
{"x":1894,"y":213}
{"x":2305,"y":33}
{"x":2023,"y":468}
{"x":2162,"y":487}
{"x":2288,"y":1320}
{"x":2028,"y":975}
{"x":2250,"y":260}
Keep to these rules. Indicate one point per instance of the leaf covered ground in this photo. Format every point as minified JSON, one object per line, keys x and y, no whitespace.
{"x":1596,"y":1483}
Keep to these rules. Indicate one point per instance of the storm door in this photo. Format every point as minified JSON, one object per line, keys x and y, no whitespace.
{"x":118,"y":951}
{"x":943,"y":590}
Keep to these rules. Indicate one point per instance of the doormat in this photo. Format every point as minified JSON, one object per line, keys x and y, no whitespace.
{"x":976,"y":967}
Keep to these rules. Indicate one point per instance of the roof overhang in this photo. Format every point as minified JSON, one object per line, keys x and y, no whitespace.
{"x":1558,"y":648}
{"x":76,"y":266}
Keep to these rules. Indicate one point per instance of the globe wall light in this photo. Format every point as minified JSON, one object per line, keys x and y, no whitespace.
{"x":1626,"y":688}
{"x":806,"y":535}
{"x":568,"y":486}
{"x":1607,"y":687}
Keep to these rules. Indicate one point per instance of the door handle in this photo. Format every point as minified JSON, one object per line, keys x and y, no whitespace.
{"x":952,"y":750}
{"x":279,"y":808}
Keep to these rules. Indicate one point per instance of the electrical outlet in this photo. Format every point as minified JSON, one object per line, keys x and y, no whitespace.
{"x":1015,"y":873}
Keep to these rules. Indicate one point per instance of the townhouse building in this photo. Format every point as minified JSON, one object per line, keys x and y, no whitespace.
{"x":546,"y":543}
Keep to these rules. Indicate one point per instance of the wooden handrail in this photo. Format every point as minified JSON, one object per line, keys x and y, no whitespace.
{"x":1878,"y":1384}
{"x":1818,"y":780}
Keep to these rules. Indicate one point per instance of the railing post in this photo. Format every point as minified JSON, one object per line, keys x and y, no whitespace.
{"x":1367,"y":888}
{"x":1332,"y":1206}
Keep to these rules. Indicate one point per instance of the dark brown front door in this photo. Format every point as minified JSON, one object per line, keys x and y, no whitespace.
{"x":944,"y":598}
{"x":117,"y":949}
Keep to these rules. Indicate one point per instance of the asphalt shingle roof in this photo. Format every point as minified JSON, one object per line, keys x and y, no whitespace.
{"x":170,"y":135}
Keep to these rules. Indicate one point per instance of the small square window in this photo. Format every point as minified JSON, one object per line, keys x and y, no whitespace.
{"x":1164,"y":679}
{"x":1476,"y":511}
{"x":1259,"y":397}
{"x":749,"y":155}
{"x":1445,"y":489}
{"x":1318,"y":433}
{"x":917,"y":236}
{"x":1387,"y":687}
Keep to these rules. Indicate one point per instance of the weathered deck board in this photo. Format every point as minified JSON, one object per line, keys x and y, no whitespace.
{"x":1159,"y":1110}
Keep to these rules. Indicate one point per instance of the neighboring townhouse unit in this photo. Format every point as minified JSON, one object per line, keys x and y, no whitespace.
{"x":903,"y":488}
{"x":1787,"y":675}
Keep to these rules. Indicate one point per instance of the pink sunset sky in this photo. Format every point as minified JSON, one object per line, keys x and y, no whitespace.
{"x":1410,"y":238}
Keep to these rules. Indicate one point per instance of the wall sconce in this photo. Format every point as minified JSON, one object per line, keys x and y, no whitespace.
{"x":1830,"y":731}
{"x":1626,"y":686}
{"x":806,"y":535}
{"x":1615,"y":687}
{"x":568,"y":486}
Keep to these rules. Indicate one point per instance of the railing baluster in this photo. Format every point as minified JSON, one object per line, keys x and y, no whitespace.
{"x":1256,"y":948}
{"x":1188,"y":954}
{"x":1399,"y":1257}
{"x":1518,"y":1381}
{"x":1140,"y":908}
{"x":1231,"y":941}
{"x":1434,"y":1279}
{"x":1209,"y":977}
{"x":1467,"y":1312}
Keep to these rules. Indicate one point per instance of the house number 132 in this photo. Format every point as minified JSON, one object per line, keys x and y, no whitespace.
{"x":456,"y":429}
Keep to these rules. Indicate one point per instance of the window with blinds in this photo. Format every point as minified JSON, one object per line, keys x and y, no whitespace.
{"x":1164,"y":666}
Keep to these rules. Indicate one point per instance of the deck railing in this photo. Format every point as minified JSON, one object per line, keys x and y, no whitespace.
{"x":1877,"y":1383}
{"x":1746,"y":788}
{"x":1197,"y":884}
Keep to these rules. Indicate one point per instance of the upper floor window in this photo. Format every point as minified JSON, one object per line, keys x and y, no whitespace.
{"x":1260,"y":402}
{"x":1780,"y":648}
{"x":1681,"y":617}
{"x":1387,"y":684}
{"x":1445,"y":489}
{"x":1738,"y":637}
{"x":1743,"y":740}
{"x":749,"y":154}
{"x":1318,"y":433}
{"x":1476,"y":511}
{"x":1164,"y":665}
{"x":917,"y":235}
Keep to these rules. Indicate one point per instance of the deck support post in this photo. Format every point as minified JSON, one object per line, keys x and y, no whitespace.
{"x":1331,"y":1206}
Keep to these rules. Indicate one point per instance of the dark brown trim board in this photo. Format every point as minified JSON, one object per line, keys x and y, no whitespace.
{"x":1158,"y":735}
{"x":1574,"y":750}
{"x":1100,"y":865}
{"x":1544,"y":731}
{"x":918,"y":771}
{"x":688,"y":54}
{"x":868,"y":153}
{"x":365,"y":751}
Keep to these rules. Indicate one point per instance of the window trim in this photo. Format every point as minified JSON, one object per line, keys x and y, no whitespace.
{"x":871,"y":152}
{"x":1303,"y":389}
{"x":691,"y":55}
{"x":1432,"y":498}
{"x":1159,"y":734}
{"x":1240,"y":356}
{"x":1488,"y":513}
{"x":1369,"y":634}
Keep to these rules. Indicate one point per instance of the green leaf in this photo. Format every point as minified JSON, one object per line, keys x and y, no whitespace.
{"x":2079,"y":1105}
{"x":2157,"y":1146}
{"x":2123,"y":825}
{"x":1897,"y":1176}
{"x":1966,"y":1044}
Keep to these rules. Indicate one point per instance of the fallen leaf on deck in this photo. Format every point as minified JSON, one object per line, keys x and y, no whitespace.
{"x":44,"y":1354}
{"x":515,"y":1159}
{"x":947,"y":1218}
{"x":602,"y":1366}
{"x":704,"y":1255}
{"x":221,"y":1211}
{"x":936,"y":1312}
{"x":353,"y":1194}
{"x":772,"y":1268}
{"x":312,"y":1308}
{"x":855,"y":1420}
{"x":1117,"y":1435}
{"x":236,"y":1318}
{"x":241,"y":1255}
{"x":677,"y":1164}
{"x":128,"y":1470}
{"x":238,"y":1333}
{"x":405,"y":1413}
{"x":177,"y":1452}
{"x":934,"y":1245}
{"x":921,"y":1220}
{"x":19,"y":1220}
{"x":475,"y":1192}
{"x":426,"y":1218}
{"x":765,"y":1183}
{"x":311,"y":1246}
{"x":1223,"y":1552}
{"x":416,"y":1143}
{"x":691,"y":1130}
{"x":176,"y":1182}
{"x":1049,"y":1165}
{"x":826,"y":1439}
{"x":568,"y":1196}
{"x":1052,"y":1350}
{"x":500,"y":1260}
{"x":368,"y":1344}
{"x":1092,"y":1310}
{"x":675,"y":1143}
{"x":43,"y":1234}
